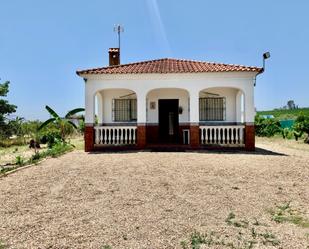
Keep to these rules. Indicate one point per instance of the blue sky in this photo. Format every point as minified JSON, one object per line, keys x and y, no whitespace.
{"x":43,"y":42}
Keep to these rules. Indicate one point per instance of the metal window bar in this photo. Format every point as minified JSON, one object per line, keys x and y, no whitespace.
{"x":212,"y":109}
{"x":124,"y":110}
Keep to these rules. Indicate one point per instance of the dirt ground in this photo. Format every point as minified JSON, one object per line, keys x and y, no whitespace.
{"x":158,"y":200}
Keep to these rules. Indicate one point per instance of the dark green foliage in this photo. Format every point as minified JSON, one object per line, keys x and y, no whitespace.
{"x":5,"y":109}
{"x":35,"y":157}
{"x":266,"y":127}
{"x":302,"y":126}
{"x":50,"y":137}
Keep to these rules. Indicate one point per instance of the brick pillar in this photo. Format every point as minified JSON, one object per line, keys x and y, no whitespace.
{"x":141,"y":136}
{"x":249,"y":137}
{"x":194,"y":136}
{"x":89,"y":138}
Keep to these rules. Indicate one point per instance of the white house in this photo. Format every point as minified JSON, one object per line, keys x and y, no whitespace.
{"x":169,"y":102}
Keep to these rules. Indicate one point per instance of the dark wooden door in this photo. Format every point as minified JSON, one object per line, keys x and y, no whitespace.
{"x":168,"y":120}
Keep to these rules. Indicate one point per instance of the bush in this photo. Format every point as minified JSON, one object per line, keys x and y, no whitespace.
{"x":287,"y":133}
{"x":50,"y":138}
{"x":266,"y":127}
{"x":302,"y":126}
{"x":36,"y":157}
{"x":59,"y":149}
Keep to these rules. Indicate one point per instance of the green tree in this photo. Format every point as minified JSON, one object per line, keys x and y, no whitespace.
{"x":61,"y":123}
{"x":5,"y":109}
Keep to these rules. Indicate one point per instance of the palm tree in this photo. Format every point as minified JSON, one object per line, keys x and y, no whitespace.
{"x":61,"y":123}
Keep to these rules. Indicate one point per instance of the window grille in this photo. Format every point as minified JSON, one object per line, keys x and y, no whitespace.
{"x":124,"y":110}
{"x":212,"y":109}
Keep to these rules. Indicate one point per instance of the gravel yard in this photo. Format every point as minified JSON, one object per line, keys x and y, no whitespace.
{"x":158,"y":200}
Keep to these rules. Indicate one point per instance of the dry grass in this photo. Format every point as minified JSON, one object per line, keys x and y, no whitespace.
{"x":158,"y":200}
{"x":8,"y":154}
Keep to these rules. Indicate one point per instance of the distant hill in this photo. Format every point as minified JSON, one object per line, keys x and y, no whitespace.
{"x":286,"y":114}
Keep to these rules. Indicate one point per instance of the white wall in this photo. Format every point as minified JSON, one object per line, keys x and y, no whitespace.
{"x":155,"y":95}
{"x":193,"y":83}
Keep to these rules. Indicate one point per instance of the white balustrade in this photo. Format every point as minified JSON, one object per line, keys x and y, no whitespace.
{"x":227,"y":135}
{"x":115,"y":135}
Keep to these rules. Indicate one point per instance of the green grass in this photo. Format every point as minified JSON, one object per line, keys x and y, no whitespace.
{"x":286,"y":114}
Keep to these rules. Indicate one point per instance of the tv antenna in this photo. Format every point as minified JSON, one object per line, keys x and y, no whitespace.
{"x":119,"y":29}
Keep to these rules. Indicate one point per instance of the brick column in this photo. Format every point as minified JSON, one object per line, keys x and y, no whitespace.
{"x":194,"y":136}
{"x":249,"y":137}
{"x":89,"y":138}
{"x":141,"y":136}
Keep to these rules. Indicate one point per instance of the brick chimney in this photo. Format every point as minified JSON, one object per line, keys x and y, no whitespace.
{"x":114,"y":56}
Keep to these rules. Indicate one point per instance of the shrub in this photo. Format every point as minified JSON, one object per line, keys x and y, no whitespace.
{"x":302,"y":126}
{"x":297,"y":134}
{"x":36,"y":157}
{"x":58,"y":149}
{"x":50,"y":138}
{"x":266,"y":127}
{"x":287,"y":133}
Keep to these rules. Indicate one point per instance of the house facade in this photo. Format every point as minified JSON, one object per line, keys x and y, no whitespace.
{"x":169,"y":103}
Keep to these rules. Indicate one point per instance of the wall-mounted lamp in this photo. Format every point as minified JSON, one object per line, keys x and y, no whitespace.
{"x":265,"y":57}
{"x":180,"y":110}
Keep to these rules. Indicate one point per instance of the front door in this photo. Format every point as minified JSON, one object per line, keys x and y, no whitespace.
{"x":168,"y":120}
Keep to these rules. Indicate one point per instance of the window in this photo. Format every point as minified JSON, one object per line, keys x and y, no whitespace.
{"x":124,"y":110}
{"x":212,"y":109}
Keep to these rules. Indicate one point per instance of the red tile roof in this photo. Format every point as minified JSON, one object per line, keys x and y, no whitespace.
{"x":167,"y":65}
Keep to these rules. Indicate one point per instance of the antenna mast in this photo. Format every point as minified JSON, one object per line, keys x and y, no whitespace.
{"x":119,"y":29}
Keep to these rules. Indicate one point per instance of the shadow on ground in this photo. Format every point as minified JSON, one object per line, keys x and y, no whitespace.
{"x":258,"y":151}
